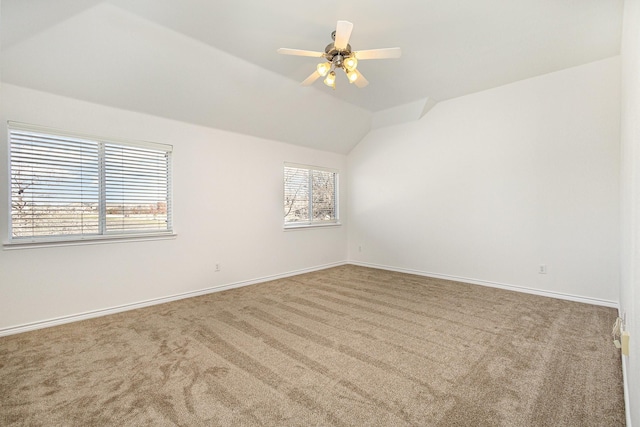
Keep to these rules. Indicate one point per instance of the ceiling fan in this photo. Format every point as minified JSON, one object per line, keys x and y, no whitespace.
{"x":338,"y":55}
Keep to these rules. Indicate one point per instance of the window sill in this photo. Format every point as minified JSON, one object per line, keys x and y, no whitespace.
{"x":306,"y":226}
{"x":89,"y":240}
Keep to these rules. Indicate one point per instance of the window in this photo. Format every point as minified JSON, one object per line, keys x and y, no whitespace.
{"x":310,"y":195}
{"x":72,"y":187}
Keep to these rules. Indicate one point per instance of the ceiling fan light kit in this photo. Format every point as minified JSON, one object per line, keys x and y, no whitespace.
{"x":338,"y":55}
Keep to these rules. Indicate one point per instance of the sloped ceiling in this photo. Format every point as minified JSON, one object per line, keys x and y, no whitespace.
{"x":214,"y":63}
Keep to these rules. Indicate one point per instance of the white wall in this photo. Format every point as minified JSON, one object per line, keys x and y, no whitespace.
{"x":489,"y":186}
{"x":227,"y":209}
{"x":630,"y":137}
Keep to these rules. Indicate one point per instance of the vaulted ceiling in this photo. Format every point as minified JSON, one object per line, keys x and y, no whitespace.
{"x":214,"y":63}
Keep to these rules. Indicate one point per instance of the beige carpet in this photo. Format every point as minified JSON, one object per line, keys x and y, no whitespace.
{"x":344,"y":346}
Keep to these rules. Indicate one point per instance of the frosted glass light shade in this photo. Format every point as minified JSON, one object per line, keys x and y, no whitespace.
{"x":331,"y":79}
{"x":323,"y":68}
{"x":351,"y":63}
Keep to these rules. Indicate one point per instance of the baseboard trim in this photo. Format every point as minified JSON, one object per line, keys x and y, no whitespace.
{"x":551,"y":294}
{"x":12,"y":330}
{"x":625,"y":386}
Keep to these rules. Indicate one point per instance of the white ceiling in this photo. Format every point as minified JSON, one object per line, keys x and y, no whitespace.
{"x":214,"y":63}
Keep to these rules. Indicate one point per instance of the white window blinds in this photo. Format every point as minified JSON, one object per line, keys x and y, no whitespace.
{"x":65,"y":186}
{"x":310,"y":195}
{"x":136,"y":188}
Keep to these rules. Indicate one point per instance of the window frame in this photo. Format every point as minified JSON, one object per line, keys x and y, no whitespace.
{"x":103,"y":235}
{"x":336,"y":205}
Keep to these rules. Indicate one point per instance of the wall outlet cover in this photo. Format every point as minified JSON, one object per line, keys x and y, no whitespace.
{"x":624,"y":337}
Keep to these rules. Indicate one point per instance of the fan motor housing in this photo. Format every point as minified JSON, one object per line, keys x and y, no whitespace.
{"x":331,"y":52}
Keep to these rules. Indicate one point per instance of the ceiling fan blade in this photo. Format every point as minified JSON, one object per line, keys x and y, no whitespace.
{"x":391,"y":52}
{"x":343,"y":32}
{"x":360,"y":81}
{"x":312,"y":78}
{"x":300,"y":52}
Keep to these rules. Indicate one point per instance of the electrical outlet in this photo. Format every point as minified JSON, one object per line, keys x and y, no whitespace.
{"x":542,"y":269}
{"x":217,"y":267}
{"x":624,"y":338}
{"x":359,"y":248}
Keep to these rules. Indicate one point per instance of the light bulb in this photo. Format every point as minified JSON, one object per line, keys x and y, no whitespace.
{"x":331,"y":79}
{"x":323,"y":68}
{"x":352,"y":76}
{"x":351,"y":63}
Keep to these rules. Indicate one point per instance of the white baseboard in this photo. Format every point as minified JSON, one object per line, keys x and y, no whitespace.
{"x":625,"y":385}
{"x":11,"y":330}
{"x":551,"y":294}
